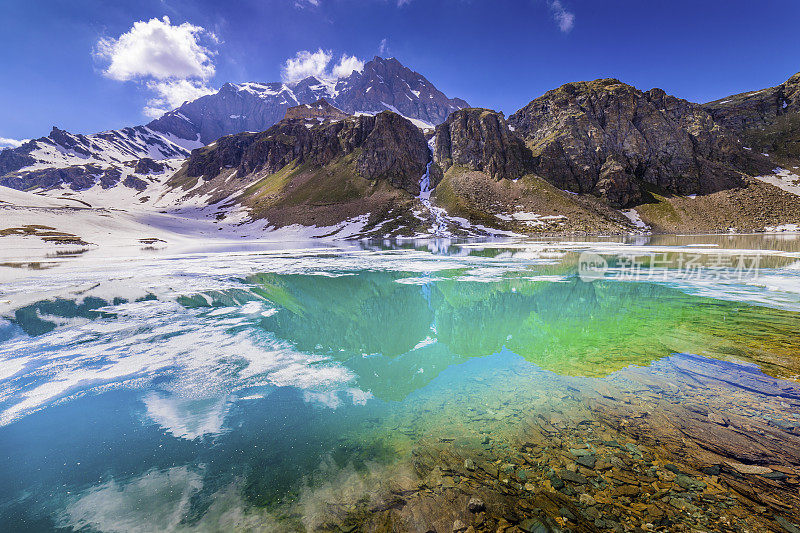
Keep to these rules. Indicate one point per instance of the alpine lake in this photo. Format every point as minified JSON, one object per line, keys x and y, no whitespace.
{"x":628,"y":384}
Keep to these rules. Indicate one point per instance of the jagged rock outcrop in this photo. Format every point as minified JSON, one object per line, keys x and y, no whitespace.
{"x":394,"y":150}
{"x":388,"y":147}
{"x":479,"y":139}
{"x":12,"y":159}
{"x":147,"y":165}
{"x":609,"y":139}
{"x":319,"y":111}
{"x":615,"y":184}
{"x":767,"y":120}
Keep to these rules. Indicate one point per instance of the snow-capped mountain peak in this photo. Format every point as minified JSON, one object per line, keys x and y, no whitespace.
{"x":383,"y":84}
{"x":252,"y":106}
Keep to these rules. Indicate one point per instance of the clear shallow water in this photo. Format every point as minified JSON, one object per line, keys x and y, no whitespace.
{"x":313,"y":388}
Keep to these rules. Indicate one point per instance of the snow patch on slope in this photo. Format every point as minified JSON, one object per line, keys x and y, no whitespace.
{"x":532,"y":219}
{"x":636,"y":220}
{"x":783,"y":179}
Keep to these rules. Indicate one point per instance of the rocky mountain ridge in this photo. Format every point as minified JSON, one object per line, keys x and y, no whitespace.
{"x":767,"y":119}
{"x":596,"y":157}
{"x":385,"y":146}
{"x":383,"y":84}
{"x":79,"y":161}
{"x":612,"y":140}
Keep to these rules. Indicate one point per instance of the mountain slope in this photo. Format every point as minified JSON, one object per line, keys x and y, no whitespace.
{"x":614,"y":146}
{"x":612,"y":140}
{"x":312,"y":170}
{"x":78,"y":162}
{"x":385,"y":84}
{"x":63,"y":149}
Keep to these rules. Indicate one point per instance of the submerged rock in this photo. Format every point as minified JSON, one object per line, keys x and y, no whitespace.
{"x":476,"y":505}
{"x":573,"y":477}
{"x":531,"y":525}
{"x":587,"y":460}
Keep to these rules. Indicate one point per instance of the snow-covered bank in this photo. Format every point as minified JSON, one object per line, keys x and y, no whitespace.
{"x":41,"y":225}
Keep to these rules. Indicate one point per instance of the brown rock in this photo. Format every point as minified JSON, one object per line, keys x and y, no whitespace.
{"x":748,"y":469}
{"x":390,"y":148}
{"x":319,"y":111}
{"x":717,"y":419}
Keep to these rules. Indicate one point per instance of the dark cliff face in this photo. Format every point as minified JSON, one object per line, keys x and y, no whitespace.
{"x":479,"y":139}
{"x":12,"y":159}
{"x":767,"y":120}
{"x":394,"y":150}
{"x":608,"y":139}
{"x":389,"y":148}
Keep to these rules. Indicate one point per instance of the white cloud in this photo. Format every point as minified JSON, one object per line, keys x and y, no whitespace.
{"x":401,"y":3}
{"x":383,"y":46}
{"x":157,"y":49}
{"x":346,"y":66}
{"x":5,"y":142}
{"x":302,"y":4}
{"x":172,"y":61}
{"x":172,"y":93}
{"x":564,"y":18}
{"x":305,"y":64}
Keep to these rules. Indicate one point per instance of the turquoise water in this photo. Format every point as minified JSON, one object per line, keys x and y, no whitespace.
{"x":281,"y":389}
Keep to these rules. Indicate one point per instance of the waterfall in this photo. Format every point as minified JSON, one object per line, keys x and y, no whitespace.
{"x":439,"y":222}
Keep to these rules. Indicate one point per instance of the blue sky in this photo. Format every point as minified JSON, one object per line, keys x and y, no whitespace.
{"x":56,"y":55}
